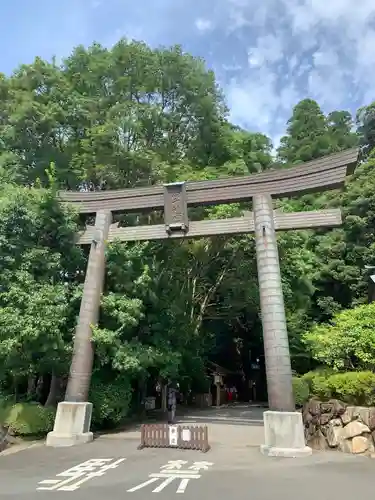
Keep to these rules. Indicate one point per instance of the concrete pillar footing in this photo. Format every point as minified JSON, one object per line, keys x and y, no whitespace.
{"x":284,"y":435}
{"x":72,"y":425}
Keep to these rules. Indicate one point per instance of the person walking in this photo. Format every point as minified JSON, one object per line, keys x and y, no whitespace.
{"x":229,"y":394}
{"x":171,"y":403}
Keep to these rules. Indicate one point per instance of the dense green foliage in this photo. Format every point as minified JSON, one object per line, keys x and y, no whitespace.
{"x":348,"y":341}
{"x":301,"y":391}
{"x":27,"y":419}
{"x":354,"y":388}
{"x":133,"y":116}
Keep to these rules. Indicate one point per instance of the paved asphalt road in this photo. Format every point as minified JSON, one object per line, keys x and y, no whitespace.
{"x":114,"y":469}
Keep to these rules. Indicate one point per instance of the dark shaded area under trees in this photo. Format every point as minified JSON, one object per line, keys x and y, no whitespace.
{"x":134,"y":116}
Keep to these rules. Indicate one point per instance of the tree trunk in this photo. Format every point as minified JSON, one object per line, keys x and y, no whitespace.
{"x":31,"y":386}
{"x":39,"y":388}
{"x":53,"y":391}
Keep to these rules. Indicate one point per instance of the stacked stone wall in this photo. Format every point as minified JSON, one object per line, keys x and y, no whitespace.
{"x":337,"y":426}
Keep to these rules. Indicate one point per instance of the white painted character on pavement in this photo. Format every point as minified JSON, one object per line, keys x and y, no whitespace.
{"x":171,"y":471}
{"x":79,"y":474}
{"x":201,"y":465}
{"x":174,"y":464}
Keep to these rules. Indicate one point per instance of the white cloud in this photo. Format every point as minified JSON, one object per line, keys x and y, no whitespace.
{"x":306,"y":48}
{"x":203,"y":24}
{"x":268,"y":50}
{"x":268,"y":55}
{"x":237,"y":20}
{"x":257,"y":102}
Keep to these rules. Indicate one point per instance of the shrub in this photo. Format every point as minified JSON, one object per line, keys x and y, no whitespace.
{"x":111,"y":402}
{"x":317,"y":382}
{"x":356,"y":388}
{"x":27,"y":419}
{"x":347,"y":342}
{"x":4,"y":401}
{"x":301,"y":391}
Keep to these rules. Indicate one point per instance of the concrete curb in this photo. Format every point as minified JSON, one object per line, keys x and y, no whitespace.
{"x":16,"y":448}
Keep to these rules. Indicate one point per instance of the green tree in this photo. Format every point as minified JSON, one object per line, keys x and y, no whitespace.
{"x":110,"y":118}
{"x":347,"y":342}
{"x":311,"y":135}
{"x":340,"y":128}
{"x":366,"y":128}
{"x":38,"y":300}
{"x":307,"y":135}
{"x":342,"y":280}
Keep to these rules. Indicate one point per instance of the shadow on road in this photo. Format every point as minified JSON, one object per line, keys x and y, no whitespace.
{"x":221,"y":421}
{"x":236,"y":425}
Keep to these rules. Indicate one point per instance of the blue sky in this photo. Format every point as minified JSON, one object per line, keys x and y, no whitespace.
{"x":267,"y":54}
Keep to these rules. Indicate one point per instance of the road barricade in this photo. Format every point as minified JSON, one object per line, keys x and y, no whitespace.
{"x":186,"y":437}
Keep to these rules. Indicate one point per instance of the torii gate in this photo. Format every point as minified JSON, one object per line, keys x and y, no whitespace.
{"x":284,"y":434}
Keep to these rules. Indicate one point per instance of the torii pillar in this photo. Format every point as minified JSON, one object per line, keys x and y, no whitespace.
{"x":73,"y":416}
{"x":283,"y":426}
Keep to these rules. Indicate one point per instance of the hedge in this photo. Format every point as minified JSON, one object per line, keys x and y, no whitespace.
{"x":27,"y":419}
{"x":301,"y":391}
{"x":111,"y":402}
{"x":354,"y":388}
{"x":110,"y":406}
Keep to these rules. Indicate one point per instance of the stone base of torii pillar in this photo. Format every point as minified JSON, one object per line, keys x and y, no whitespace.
{"x":284,"y":435}
{"x":72,"y":425}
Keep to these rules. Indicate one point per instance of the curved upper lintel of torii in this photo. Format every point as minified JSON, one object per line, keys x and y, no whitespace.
{"x":323,"y":174}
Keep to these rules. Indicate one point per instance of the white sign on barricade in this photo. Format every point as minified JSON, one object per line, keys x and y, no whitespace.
{"x":173,"y":436}
{"x":186,"y":434}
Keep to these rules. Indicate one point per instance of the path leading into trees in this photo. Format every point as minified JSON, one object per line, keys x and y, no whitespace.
{"x":112,"y":467}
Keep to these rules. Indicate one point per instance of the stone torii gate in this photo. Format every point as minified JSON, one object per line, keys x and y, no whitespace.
{"x":284,"y":434}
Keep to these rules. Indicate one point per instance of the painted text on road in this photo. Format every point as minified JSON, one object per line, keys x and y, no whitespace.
{"x":171,"y":471}
{"x":73,"y":478}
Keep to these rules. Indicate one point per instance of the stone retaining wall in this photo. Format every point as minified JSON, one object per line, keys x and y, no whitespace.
{"x":334,"y":425}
